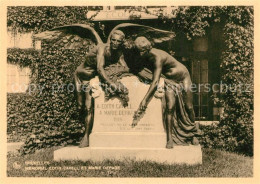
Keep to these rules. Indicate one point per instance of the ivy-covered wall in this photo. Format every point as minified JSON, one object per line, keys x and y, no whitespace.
{"x":41,"y":18}
{"x":46,"y":115}
{"x":235,"y":131}
{"x":56,"y":119}
{"x":20,"y":116}
{"x":237,"y":68}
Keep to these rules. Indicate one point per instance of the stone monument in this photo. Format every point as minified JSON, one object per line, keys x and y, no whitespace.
{"x":114,"y":134}
{"x":113,"y":137}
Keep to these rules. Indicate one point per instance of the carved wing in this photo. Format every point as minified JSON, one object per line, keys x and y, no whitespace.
{"x":132,"y":31}
{"x":71,"y":36}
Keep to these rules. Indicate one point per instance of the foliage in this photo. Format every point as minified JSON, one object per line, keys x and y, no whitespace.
{"x":41,"y":18}
{"x":237,"y":70}
{"x":57,"y":117}
{"x":22,"y":57}
{"x":41,"y":114}
{"x":20,"y":116}
{"x":194,"y":21}
{"x":218,"y":137}
{"x":21,"y":107}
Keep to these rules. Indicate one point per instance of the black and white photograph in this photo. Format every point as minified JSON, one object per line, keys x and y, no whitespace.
{"x":150,"y":91}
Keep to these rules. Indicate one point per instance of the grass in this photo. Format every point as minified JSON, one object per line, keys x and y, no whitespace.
{"x":216,"y":163}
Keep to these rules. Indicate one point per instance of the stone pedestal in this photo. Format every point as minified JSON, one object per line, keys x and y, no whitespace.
{"x":113,"y":137}
{"x":112,"y":122}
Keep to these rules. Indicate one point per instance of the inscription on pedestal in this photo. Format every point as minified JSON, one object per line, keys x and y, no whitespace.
{"x":118,"y":118}
{"x":111,"y":116}
{"x":112,"y":122}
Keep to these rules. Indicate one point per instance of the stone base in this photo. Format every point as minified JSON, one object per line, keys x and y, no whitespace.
{"x":178,"y":155}
{"x":128,"y":139}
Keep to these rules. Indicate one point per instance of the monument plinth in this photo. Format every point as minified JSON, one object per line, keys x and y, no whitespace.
{"x":112,"y":122}
{"x":113,"y":137}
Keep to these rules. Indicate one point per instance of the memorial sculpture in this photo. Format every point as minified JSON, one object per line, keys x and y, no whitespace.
{"x":179,"y":125}
{"x":120,"y":57}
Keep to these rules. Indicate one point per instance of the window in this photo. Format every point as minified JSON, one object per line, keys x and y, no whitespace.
{"x":201,"y":93}
{"x":19,"y":40}
{"x":18,"y":79}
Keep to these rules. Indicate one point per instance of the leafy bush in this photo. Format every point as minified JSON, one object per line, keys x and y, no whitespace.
{"x":20,"y":116}
{"x":237,"y":70}
{"x":22,"y":57}
{"x":221,"y":137}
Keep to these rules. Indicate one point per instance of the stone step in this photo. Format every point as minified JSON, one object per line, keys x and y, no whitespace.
{"x":178,"y":155}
